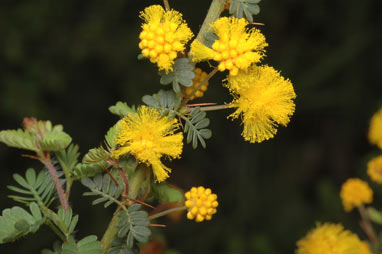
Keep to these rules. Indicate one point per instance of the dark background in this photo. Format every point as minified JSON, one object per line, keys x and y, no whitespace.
{"x":68,"y":61}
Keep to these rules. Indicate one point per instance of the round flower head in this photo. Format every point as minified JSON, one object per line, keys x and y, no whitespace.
{"x":148,"y":136}
{"x":354,"y":193}
{"x":264,"y":99}
{"x":201,"y":203}
{"x":237,"y":47}
{"x":330,"y":238}
{"x":164,"y":35}
{"x":374,"y":169}
{"x":199,"y":77}
{"x":375,"y":130}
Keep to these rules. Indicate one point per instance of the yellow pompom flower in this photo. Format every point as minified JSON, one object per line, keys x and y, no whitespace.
{"x":264,"y":99}
{"x":149,"y":136}
{"x":365,"y":248}
{"x":237,"y":47}
{"x":354,"y":193}
{"x":201,"y":203}
{"x":330,"y":238}
{"x":375,"y":130}
{"x":199,"y":77}
{"x":164,"y":35}
{"x":374,"y":169}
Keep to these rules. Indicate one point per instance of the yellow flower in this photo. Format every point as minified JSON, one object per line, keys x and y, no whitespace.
{"x":374,"y":169}
{"x":148,"y":136}
{"x":354,"y":193}
{"x":330,"y":238}
{"x":375,"y":130}
{"x":164,"y":35}
{"x":264,"y":99}
{"x":199,"y":77}
{"x":365,"y":248}
{"x":237,"y":47}
{"x":201,"y":204}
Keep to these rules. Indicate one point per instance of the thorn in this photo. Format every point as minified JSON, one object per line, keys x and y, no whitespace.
{"x":201,"y":104}
{"x":111,"y":176}
{"x":30,"y":156}
{"x":157,"y":225}
{"x":256,"y":23}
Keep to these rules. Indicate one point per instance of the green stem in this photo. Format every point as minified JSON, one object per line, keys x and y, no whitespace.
{"x":205,"y":80}
{"x":110,"y":232}
{"x":212,"y":15}
{"x":56,"y":230}
{"x":135,"y":184}
{"x":160,"y":214}
{"x":366,"y":225}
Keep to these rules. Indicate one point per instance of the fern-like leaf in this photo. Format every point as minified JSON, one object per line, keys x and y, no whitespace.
{"x":33,"y":188}
{"x":167,"y":101}
{"x":88,"y":245}
{"x":133,"y":225}
{"x":182,"y":74}
{"x":121,"y":109}
{"x":15,"y":222}
{"x":102,"y":186}
{"x":245,"y":7}
{"x":195,"y":128}
{"x":18,"y":139}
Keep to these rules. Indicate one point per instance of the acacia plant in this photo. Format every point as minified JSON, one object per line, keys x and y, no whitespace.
{"x":130,"y":170}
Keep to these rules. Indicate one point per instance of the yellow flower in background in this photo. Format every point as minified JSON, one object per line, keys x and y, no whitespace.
{"x":164,"y":35}
{"x":264,"y":99}
{"x":365,"y":248}
{"x":237,"y":47}
{"x":330,"y":238}
{"x":355,"y":192}
{"x":201,"y":203}
{"x":375,"y":130}
{"x":199,"y":77}
{"x":374,"y":169}
{"x":149,"y":136}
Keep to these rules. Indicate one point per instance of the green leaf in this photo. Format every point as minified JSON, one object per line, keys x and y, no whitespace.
{"x":17,"y":138}
{"x":57,"y":249}
{"x":195,"y":128}
{"x":88,"y":245}
{"x":133,"y":225}
{"x":166,"y":193}
{"x":111,"y":136}
{"x":167,"y":101}
{"x":68,"y":158}
{"x":55,"y":141}
{"x":15,"y":222}
{"x":82,"y":170}
{"x":96,"y":155}
{"x":121,"y":109}
{"x":246,"y":7}
{"x":375,"y":215}
{"x":33,"y":188}
{"x":102,"y":186}
{"x":183,"y":74}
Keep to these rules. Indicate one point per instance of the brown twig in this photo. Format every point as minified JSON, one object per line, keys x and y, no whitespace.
{"x":366,"y":224}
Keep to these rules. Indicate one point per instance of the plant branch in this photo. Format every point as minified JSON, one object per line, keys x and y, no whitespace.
{"x":166,"y":5}
{"x":212,"y":15}
{"x":52,"y":171}
{"x":366,"y":224}
{"x":165,"y":212}
{"x":205,"y":80}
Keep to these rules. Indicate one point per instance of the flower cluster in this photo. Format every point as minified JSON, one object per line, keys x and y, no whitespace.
{"x":148,"y":136}
{"x":201,"y":203}
{"x":237,"y":47}
{"x":374,"y":169}
{"x":164,"y":35}
{"x":199,"y":77}
{"x":354,"y":193}
{"x":375,"y":130}
{"x":330,"y":238}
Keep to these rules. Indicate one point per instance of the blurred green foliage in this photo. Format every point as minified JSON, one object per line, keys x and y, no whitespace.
{"x":68,"y":61}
